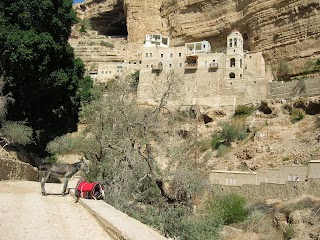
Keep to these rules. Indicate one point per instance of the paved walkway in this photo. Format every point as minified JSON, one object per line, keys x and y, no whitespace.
{"x":27,"y":215}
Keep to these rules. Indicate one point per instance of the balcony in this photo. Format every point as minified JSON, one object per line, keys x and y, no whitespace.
{"x":213,"y":65}
{"x":191,"y":66}
{"x":191,"y":62}
{"x":157,"y":68}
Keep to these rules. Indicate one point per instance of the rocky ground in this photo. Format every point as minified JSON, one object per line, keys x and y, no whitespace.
{"x":297,"y":219}
{"x":273,"y":139}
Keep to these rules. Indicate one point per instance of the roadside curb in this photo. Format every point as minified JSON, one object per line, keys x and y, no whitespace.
{"x":118,"y":224}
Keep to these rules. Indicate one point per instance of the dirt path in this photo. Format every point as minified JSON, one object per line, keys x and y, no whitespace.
{"x":27,"y":215}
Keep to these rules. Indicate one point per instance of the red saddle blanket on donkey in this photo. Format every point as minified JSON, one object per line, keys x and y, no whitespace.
{"x":88,"y":190}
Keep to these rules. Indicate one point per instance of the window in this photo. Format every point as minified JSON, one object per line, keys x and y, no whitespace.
{"x":180,"y":64}
{"x":150,"y":54}
{"x":102,"y":71}
{"x":180,"y":54}
{"x":232,"y":75}
{"x":241,"y":63}
{"x":170,"y":65}
{"x":139,"y":62}
{"x":230,"y":42}
{"x":171,"y":55}
{"x":161,"y":55}
{"x":147,"y":66}
{"x":232,"y":62}
{"x":235,"y":42}
{"x":146,"y":54}
{"x":109,"y":72}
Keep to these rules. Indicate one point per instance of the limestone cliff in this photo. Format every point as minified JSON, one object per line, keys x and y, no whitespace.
{"x":283,"y":29}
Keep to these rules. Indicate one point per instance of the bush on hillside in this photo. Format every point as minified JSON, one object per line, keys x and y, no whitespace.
{"x":106,"y":44}
{"x":245,"y":110}
{"x":229,"y":133}
{"x":296,"y":114}
{"x":16,"y":133}
{"x":229,"y":208}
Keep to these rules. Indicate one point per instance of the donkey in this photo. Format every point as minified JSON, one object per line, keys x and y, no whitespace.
{"x":61,"y":170}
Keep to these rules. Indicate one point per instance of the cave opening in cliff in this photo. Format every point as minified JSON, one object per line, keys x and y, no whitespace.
{"x":110,"y":23}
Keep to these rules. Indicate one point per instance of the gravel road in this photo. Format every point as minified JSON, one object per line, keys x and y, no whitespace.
{"x":27,"y":215}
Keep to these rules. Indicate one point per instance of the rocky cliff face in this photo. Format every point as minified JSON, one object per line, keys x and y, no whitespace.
{"x":283,"y":29}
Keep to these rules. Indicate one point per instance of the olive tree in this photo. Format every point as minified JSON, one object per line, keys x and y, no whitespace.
{"x":125,"y":142}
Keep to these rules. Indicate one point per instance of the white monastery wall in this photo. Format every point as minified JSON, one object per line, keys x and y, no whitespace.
{"x":218,"y":80}
{"x":281,"y":175}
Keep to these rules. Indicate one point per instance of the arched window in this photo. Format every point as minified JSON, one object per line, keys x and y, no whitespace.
{"x":240,"y":63}
{"x":235,"y":42}
{"x":230,"y":42}
{"x":232,"y":75}
{"x":232,"y":62}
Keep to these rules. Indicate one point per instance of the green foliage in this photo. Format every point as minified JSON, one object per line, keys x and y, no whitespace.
{"x":85,"y":90}
{"x":184,"y":115}
{"x":67,"y":144}
{"x":283,"y":72}
{"x":286,"y":158}
{"x":202,"y":145}
{"x":318,"y":120}
{"x":289,"y":233}
{"x":317,"y":65}
{"x":229,"y":133}
{"x":296,"y":114}
{"x":222,"y":150}
{"x":16,"y":133}
{"x":230,"y":208}
{"x":84,"y":25}
{"x":39,"y":67}
{"x":117,"y":139}
{"x":309,"y":67}
{"x":178,"y":222}
{"x":52,"y":158}
{"x":106,"y":44}
{"x":135,"y":80}
{"x":216,"y":141}
{"x":244,"y":110}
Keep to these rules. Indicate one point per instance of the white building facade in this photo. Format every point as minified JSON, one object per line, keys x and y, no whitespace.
{"x":216,"y":79}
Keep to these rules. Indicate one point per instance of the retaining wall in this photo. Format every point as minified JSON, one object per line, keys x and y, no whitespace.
{"x":11,"y":169}
{"x":305,"y":88}
{"x":272,"y":191}
{"x":280,"y":175}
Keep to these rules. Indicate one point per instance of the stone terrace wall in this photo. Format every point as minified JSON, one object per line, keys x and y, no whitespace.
{"x":280,"y":175}
{"x":11,"y":169}
{"x":272,"y":191}
{"x":304,"y":87}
